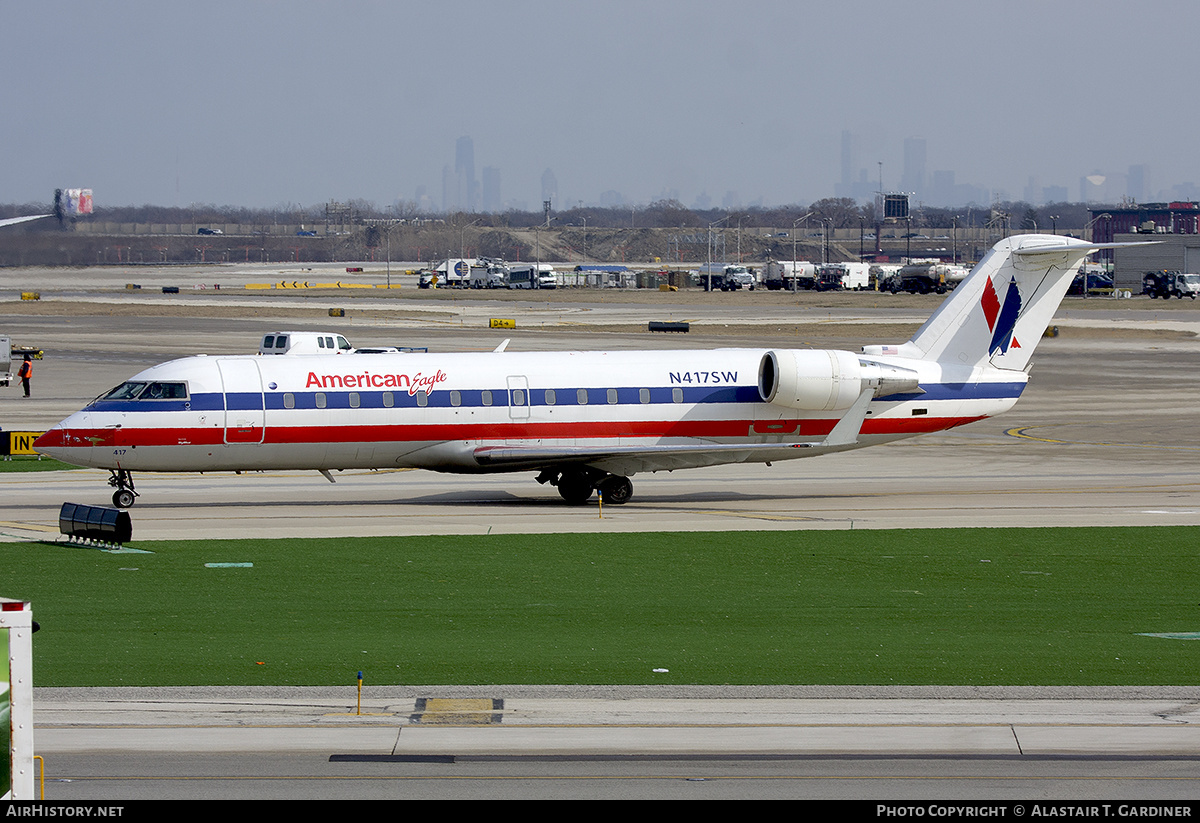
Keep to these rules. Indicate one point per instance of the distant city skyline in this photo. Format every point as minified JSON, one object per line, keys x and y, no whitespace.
{"x":939,"y":188}
{"x":260,"y":104}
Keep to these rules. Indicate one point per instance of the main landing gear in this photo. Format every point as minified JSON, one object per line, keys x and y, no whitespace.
{"x":576,"y":485}
{"x":122,"y":481}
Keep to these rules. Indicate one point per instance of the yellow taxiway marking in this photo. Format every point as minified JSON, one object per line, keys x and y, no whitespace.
{"x":27,"y":526}
{"x":1022,"y":432}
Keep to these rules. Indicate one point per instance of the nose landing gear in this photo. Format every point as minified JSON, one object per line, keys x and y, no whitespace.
{"x":122,"y":481}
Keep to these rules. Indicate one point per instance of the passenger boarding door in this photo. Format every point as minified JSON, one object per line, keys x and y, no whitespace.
{"x":518,"y":397}
{"x":245,"y":415}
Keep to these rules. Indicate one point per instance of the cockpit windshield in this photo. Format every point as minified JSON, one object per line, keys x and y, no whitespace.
{"x":141,"y":390}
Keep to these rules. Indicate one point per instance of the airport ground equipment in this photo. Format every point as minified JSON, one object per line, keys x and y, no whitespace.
{"x":96,"y":523}
{"x":1168,"y":284}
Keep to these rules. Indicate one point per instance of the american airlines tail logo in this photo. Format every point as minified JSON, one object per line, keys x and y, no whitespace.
{"x":1001,"y":317}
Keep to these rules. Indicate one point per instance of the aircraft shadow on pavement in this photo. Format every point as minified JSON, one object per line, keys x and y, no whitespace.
{"x":494,"y":499}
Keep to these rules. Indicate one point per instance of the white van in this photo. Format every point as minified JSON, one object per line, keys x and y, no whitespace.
{"x":304,"y":342}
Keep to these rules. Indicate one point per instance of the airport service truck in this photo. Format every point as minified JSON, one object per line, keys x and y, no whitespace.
{"x":454,"y":273}
{"x":304,"y":342}
{"x":922,"y":278}
{"x":725,"y":277}
{"x":843,"y":276}
{"x":531,"y":276}
{"x":1168,"y":284}
{"x":789,"y":275}
{"x":488,"y":274}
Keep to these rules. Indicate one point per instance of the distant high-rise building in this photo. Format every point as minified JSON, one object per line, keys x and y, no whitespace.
{"x":1138,"y":185}
{"x":854,"y":182}
{"x":1032,"y":192}
{"x":491,"y":189}
{"x":847,"y":158}
{"x":464,"y":170}
{"x":913,"y":179}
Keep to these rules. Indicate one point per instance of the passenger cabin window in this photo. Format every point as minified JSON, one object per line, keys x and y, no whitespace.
{"x":518,"y":397}
{"x":676,"y":395}
{"x":320,"y":398}
{"x":486,"y":397}
{"x":355,"y":402}
{"x":422,"y":398}
{"x":289,"y":400}
{"x":581,"y":396}
{"x":612,"y":396}
{"x":389,"y":399}
{"x":644,"y":395}
{"x":455,"y":397}
{"x":550,"y":397}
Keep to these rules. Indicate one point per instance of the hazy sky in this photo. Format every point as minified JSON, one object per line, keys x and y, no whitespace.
{"x":266,"y":103}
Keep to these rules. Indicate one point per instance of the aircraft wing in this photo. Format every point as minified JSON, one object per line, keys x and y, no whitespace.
{"x":631,"y":459}
{"x":626,"y":460}
{"x":12,"y":221}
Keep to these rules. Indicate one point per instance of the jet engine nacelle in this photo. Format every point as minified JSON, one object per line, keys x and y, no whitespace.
{"x":827,"y":380}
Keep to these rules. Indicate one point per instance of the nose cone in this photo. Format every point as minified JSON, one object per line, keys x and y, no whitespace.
{"x":53,"y":439}
{"x":68,"y":441}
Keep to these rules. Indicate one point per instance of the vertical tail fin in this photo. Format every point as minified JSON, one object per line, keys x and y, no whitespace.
{"x":998,"y":313}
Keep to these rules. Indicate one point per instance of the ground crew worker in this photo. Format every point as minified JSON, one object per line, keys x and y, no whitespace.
{"x":26,"y":372}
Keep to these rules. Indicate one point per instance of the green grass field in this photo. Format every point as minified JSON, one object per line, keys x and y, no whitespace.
{"x":29,"y":463}
{"x":986,"y":606}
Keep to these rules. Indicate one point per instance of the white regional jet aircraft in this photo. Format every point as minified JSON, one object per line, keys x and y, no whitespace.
{"x":584,"y":421}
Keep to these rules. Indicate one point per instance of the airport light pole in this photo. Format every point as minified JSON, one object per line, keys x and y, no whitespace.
{"x":537,"y":235}
{"x":795,"y":276}
{"x":1088,"y":226}
{"x":387,"y":225}
{"x":708,"y":274}
{"x":954,"y":238}
{"x":462,"y":238}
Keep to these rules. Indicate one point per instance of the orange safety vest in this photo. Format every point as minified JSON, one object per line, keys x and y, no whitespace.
{"x":26,"y":369}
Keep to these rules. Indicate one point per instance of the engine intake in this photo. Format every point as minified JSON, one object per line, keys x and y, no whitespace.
{"x":815,"y":380}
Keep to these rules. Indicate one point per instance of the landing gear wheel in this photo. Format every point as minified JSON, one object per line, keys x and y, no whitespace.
{"x":122,"y":481}
{"x":616,"y":490}
{"x":575,"y":488}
